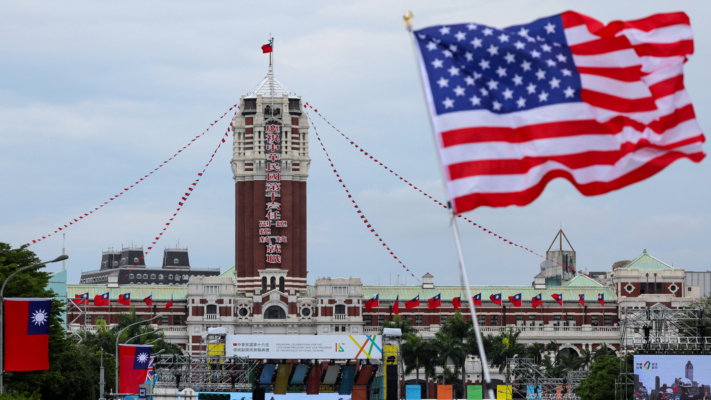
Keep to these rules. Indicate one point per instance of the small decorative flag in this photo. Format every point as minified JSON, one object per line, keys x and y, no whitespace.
{"x":516,"y":300}
{"x":558,"y":297}
{"x":101,"y":299}
{"x":170,"y":303}
{"x":149,"y":300}
{"x":601,"y":299}
{"x":81,"y":298}
{"x":496,"y":298}
{"x":27,"y":333}
{"x":581,"y":299}
{"x":537,"y":300}
{"x":457,"y":302}
{"x":133,"y":366}
{"x":125,"y":299}
{"x":413,"y":303}
{"x":435,"y":302}
{"x":477,"y":299}
{"x":267,"y":48}
{"x":396,"y":306}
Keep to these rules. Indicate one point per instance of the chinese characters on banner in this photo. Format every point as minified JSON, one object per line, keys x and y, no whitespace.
{"x":272,"y":149}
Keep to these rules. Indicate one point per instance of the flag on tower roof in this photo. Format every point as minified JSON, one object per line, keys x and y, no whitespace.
{"x":267,"y":48}
{"x":560,"y":97}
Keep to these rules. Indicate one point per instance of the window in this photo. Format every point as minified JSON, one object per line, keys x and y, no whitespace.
{"x":642,"y":288}
{"x":135,"y":260}
{"x":659,"y":288}
{"x":281,"y":284}
{"x":305,"y":311}
{"x":176,"y":261}
{"x":243,"y":312}
{"x":336,"y":328}
{"x":130,"y":276}
{"x":177,"y":277}
{"x":443,"y":319}
{"x":482,"y":320}
{"x":145,"y":276}
{"x":381,"y":319}
{"x":264,"y":284}
{"x":177,"y":320}
{"x":519,"y":318}
{"x":211,"y":309}
{"x":211,"y":289}
{"x":608,"y":320}
{"x":531,"y":317}
{"x":186,"y":277}
{"x":274,"y":312}
{"x":595,"y":320}
{"x":340,"y":290}
{"x":164,"y":320}
{"x":153,"y":276}
{"x":272,"y":283}
{"x":418,"y":320}
{"x":250,"y":105}
{"x":294,"y":105}
{"x":494,"y":320}
{"x":570,"y":317}
{"x":170,"y":277}
{"x":340,"y":309}
{"x":160,"y":276}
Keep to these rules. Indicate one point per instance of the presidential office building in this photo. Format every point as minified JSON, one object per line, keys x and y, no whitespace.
{"x":266,"y":292}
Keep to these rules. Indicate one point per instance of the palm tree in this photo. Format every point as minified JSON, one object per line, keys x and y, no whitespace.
{"x":412,"y":354}
{"x":447,"y":347}
{"x":571,"y":362}
{"x":534,"y":350}
{"x":586,"y":357}
{"x":463,"y":331}
{"x":603,"y":350}
{"x":505,"y":345}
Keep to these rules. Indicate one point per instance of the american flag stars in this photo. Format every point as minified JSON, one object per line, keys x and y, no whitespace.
{"x":473,"y":67}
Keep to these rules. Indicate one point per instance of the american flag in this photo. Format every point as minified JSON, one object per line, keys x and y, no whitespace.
{"x":561,"y":97}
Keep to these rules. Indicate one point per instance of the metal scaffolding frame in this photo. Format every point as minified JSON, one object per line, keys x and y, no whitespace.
{"x":659,"y":330}
{"x":526,"y":373}
{"x":72,"y":306}
{"x":204,"y":373}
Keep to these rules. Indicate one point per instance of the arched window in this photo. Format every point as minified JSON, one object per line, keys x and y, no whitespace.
{"x":264,"y":284}
{"x":272,"y":284}
{"x":145,"y":276}
{"x":340,"y":309}
{"x":281,"y":284}
{"x":153,"y":276}
{"x":130,"y":276}
{"x":211,"y":309}
{"x":160,"y":276}
{"x":274,"y":312}
{"x":170,"y":277}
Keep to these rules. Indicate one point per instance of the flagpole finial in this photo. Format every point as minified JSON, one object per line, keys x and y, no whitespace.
{"x":407,"y":20}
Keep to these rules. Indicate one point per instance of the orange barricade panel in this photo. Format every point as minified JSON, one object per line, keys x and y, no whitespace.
{"x":444,"y":392}
{"x":360,"y":392}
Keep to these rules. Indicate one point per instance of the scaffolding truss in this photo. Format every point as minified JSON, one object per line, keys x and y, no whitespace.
{"x":204,"y":373}
{"x":72,"y":306}
{"x":532,"y":382}
{"x":659,"y":330}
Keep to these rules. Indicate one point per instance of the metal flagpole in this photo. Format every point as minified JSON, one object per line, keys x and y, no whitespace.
{"x":455,"y":229}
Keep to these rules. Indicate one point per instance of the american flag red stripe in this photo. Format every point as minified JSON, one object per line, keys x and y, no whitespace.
{"x":634,"y":120}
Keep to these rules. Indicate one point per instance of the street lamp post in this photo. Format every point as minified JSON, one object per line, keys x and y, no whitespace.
{"x":2,"y":311}
{"x":117,"y":344}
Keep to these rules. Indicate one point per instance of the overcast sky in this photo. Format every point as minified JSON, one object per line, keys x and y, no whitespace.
{"x":95,"y":95}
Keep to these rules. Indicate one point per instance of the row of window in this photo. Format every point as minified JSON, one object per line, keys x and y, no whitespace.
{"x":177,"y":319}
{"x":595,"y":319}
{"x":160,"y":276}
{"x":272,"y":284}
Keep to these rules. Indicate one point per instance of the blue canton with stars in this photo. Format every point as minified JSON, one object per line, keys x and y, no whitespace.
{"x":474,"y":67}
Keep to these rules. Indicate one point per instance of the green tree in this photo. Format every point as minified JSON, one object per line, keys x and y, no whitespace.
{"x":505,"y":345}
{"x":600,"y":384}
{"x":463,"y":331}
{"x":603,"y":350}
{"x":404,"y":324}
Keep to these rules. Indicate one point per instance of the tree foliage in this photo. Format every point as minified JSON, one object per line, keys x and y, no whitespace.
{"x":600,"y":384}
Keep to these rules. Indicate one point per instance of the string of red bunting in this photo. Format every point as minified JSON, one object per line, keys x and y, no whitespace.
{"x":380,"y":163}
{"x":368,"y":225}
{"x":126,"y":189}
{"x":184,"y":198}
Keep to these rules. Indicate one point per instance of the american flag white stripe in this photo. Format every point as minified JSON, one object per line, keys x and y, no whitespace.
{"x":635,"y":117}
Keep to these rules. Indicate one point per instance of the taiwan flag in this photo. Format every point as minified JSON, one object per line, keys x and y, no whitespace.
{"x":27,"y":333}
{"x":170,"y":303}
{"x":81,"y":298}
{"x":558,"y":297}
{"x":267,"y":48}
{"x":396,"y":306}
{"x":133,"y":366}
{"x":413,"y":303}
{"x":581,"y":299}
{"x":374,"y":302}
{"x":601,"y":299}
{"x":125,"y":299}
{"x":537,"y":300}
{"x":149,"y":300}
{"x":515,"y":300}
{"x":496,"y":298}
{"x":435,"y":302}
{"x":101,"y":299}
{"x":477,"y":299}
{"x":457,"y":302}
